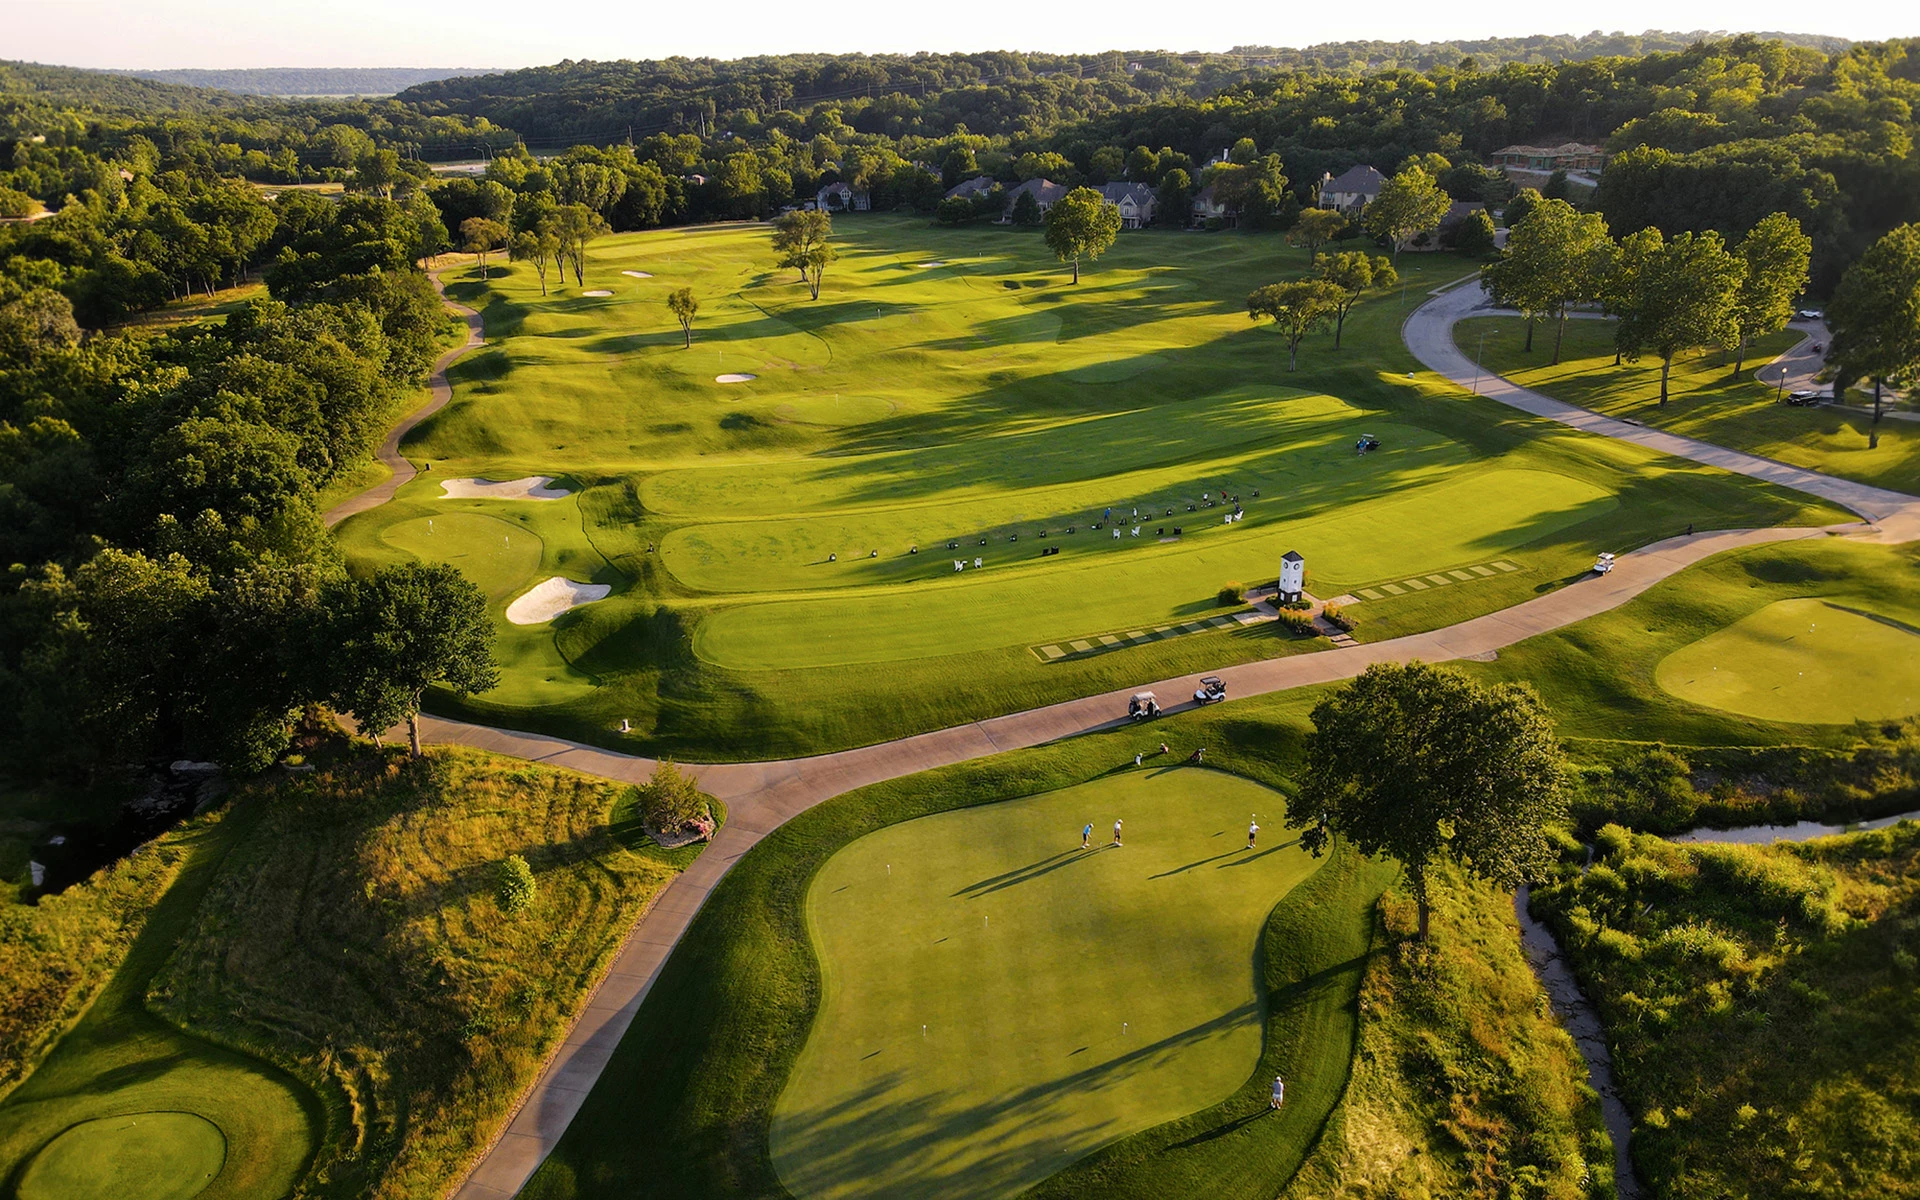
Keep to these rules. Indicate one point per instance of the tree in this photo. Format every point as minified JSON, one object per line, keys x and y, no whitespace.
{"x":1776,"y":255}
{"x":1521,"y":204}
{"x":1173,"y":201}
{"x":396,"y":634}
{"x":1297,"y":309}
{"x":1474,"y":234}
{"x":684,"y":308}
{"x":671,"y":801}
{"x":1680,"y":298}
{"x":1408,"y":205}
{"x":1554,"y":258}
{"x":1081,"y":223}
{"x":478,"y":235}
{"x":1417,"y":764}
{"x":800,"y":237}
{"x":1026,"y":210}
{"x":1875,"y":318}
{"x":1316,"y":227}
{"x":535,"y":246}
{"x":1353,"y":272}
{"x":574,"y":225}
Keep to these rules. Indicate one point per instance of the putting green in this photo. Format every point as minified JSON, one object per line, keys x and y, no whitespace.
{"x":500,"y":557}
{"x":998,"y":1003}
{"x":1020,"y":598}
{"x":139,"y":1156}
{"x":1810,"y":662}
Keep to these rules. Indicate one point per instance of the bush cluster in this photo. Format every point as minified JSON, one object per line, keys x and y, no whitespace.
{"x":516,"y":888}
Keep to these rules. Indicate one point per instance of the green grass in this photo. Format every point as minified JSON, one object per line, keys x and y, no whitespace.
{"x":139,"y":1156}
{"x":990,"y":399}
{"x":1707,"y":402}
{"x":1802,"y":661}
{"x":1761,"y":1006}
{"x":688,"y":1101}
{"x":998,"y":1002}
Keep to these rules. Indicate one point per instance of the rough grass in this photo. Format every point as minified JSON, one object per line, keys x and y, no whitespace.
{"x":1464,"y":1084}
{"x":1761,"y":1005}
{"x":912,"y":407}
{"x":1707,"y":400}
{"x":354,"y":937}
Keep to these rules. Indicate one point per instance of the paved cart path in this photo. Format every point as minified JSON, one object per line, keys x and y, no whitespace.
{"x":761,"y":796}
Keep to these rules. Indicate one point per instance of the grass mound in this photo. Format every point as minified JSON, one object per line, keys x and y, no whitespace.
{"x":1000,"y":1002}
{"x":1761,"y":1006}
{"x":1801,"y":661}
{"x":139,"y":1156}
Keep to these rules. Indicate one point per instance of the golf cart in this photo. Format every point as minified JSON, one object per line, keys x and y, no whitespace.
{"x":1603,"y":565}
{"x":1212,"y":690}
{"x":1803,"y":399}
{"x":1367,"y":442}
{"x":1143,"y":705}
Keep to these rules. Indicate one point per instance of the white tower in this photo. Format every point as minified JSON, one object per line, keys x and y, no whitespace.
{"x":1293,"y":576}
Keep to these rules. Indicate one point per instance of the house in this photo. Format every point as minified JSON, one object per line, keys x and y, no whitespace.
{"x":979,"y":185}
{"x":838,"y":197}
{"x":1044,"y":192}
{"x":1567,"y":156}
{"x":1352,"y":191}
{"x":1457,"y":212}
{"x":1207,"y":206}
{"x":1135,"y":201}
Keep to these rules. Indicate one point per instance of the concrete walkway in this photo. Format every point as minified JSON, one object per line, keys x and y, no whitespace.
{"x":761,"y":796}
{"x":439,"y":392}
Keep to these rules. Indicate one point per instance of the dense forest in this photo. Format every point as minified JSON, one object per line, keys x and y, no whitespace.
{"x":307,"y":81}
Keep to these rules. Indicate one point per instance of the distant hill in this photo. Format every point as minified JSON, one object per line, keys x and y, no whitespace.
{"x":309,"y":81}
{"x":1492,"y":52}
{"x":25,"y":85}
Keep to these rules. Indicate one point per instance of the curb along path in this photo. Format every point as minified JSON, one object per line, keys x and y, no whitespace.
{"x":761,"y":796}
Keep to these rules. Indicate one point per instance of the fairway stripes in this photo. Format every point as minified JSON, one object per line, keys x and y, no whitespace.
{"x":1102,"y":642}
{"x":1424,"y":583}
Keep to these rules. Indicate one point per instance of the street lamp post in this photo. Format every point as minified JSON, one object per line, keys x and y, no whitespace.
{"x":1477,"y":356}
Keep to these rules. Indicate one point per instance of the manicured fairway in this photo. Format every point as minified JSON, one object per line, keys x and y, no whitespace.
{"x":1806,"y":661}
{"x":1068,"y":997}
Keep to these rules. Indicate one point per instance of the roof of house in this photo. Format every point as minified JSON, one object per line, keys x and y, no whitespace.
{"x":1460,"y":210}
{"x":1292,"y":556}
{"x":1563,"y":149}
{"x":978,"y":185}
{"x":1362,"y":181}
{"x":1043,"y":190}
{"x":1204,"y":198}
{"x":1115,"y":192}
{"x":837,"y":188}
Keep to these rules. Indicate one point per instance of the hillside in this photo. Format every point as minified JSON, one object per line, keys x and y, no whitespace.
{"x":305,"y":81}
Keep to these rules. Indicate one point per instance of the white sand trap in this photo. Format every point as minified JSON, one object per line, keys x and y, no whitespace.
{"x":931,"y":264}
{"x":637,"y":274}
{"x":548,"y":600}
{"x":732,"y":378}
{"x":533,"y":487}
{"x":597,"y":292}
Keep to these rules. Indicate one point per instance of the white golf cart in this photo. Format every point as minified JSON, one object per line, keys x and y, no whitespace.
{"x":1143,"y":705}
{"x":1603,"y":565}
{"x":1212,"y":690}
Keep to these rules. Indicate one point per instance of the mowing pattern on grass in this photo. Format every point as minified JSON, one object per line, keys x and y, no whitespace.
{"x":1802,"y":661}
{"x":999,"y":1002}
{"x":1421,"y":583}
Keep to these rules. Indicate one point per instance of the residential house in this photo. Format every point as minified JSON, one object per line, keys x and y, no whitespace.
{"x":1568,"y":156}
{"x":1352,"y":191}
{"x":1044,"y":192}
{"x":1135,"y":201}
{"x":1207,"y":206}
{"x":979,"y":185}
{"x":838,"y":197}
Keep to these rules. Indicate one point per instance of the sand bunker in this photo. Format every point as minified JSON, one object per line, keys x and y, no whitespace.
{"x":597,"y":292}
{"x":533,"y":487}
{"x":731,"y":378}
{"x":553,"y":597}
{"x":637,"y":274}
{"x":936,"y":263}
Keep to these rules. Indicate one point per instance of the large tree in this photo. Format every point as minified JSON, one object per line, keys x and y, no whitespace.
{"x":405,"y":629}
{"x":1354,"y":272}
{"x":1680,"y":297}
{"x":536,"y":246}
{"x":1296,"y":309}
{"x":800,"y":238}
{"x":1776,"y":255}
{"x":1875,"y":318}
{"x":1081,"y":224}
{"x":1409,"y":204}
{"x":574,"y":225}
{"x":1417,"y":763}
{"x":1556,"y":257}
{"x":480,"y":236}
{"x":684,"y":308}
{"x":1316,"y":227}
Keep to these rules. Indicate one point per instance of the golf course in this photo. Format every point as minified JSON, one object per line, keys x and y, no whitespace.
{"x":958,"y":485}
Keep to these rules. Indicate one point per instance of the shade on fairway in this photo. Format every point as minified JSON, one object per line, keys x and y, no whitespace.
{"x":1805,"y":661}
{"x":1068,"y":997}
{"x":138,"y":1156}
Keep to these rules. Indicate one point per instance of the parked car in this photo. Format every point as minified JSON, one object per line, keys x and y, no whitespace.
{"x":1808,"y":314}
{"x":1212,"y":690}
{"x":1804,"y":399}
{"x":1143,"y":705}
{"x":1603,"y":565}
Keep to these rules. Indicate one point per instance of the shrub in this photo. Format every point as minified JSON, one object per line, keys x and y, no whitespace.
{"x":515,"y":889}
{"x":670,"y":801}
{"x":1230,"y":593}
{"x":1302,"y":604}
{"x":1297,"y":623}
{"x":1339,"y":616}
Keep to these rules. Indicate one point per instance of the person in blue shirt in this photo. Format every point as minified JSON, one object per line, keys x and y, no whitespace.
{"x":1086,"y":835}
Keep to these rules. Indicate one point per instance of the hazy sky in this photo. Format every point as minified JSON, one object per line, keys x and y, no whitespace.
{"x":512,"y":33}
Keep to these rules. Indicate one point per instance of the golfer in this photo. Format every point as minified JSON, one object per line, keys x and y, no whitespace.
{"x":1279,"y":1093}
{"x":1116,"y":831}
{"x":1253,"y":829}
{"x":1086,"y":835}
{"x":1137,"y":758}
